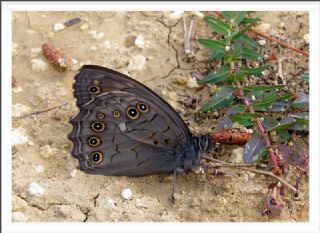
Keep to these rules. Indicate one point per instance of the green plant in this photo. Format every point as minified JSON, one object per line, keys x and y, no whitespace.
{"x":256,"y":106}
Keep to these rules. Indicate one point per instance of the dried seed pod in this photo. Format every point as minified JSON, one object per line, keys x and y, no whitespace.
{"x":72,"y":22}
{"x":57,"y":59}
{"x":230,"y":137}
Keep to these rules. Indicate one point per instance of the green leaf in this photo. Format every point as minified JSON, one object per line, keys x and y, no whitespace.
{"x":270,"y":123}
{"x":249,"y":54}
{"x":285,"y":96}
{"x":237,"y":16}
{"x":217,"y":104}
{"x":217,"y":56}
{"x":265,"y":102}
{"x":264,"y":88}
{"x":250,"y":20}
{"x":283,"y":134}
{"x":305,"y":77}
{"x":236,"y":35}
{"x":217,"y":25}
{"x":248,"y":42}
{"x":262,"y":155}
{"x":246,"y":119}
{"x":218,"y":76}
{"x":221,"y":99}
{"x":229,"y":57}
{"x":215,"y":45}
{"x":253,"y":71}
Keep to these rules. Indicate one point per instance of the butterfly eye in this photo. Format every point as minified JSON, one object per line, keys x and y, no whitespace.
{"x":98,"y":126}
{"x":94,"y":89}
{"x":116,"y":114}
{"x":93,"y":141}
{"x":100,"y":115}
{"x":132,"y":113}
{"x":96,"y":157}
{"x":143,"y":107}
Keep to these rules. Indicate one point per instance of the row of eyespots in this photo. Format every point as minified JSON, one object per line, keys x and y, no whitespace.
{"x":133,"y":113}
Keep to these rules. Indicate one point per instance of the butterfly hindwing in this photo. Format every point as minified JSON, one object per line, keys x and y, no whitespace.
{"x":123,"y":128}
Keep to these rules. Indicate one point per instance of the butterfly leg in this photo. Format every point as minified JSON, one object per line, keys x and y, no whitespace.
{"x":174,"y":179}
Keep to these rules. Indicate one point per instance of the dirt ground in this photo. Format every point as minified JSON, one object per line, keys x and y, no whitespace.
{"x":148,"y":46}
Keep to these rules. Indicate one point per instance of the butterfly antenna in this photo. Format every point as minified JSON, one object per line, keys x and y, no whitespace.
{"x":174,"y":179}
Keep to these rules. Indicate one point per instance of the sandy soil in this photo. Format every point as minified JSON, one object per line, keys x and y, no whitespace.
{"x":47,"y":186}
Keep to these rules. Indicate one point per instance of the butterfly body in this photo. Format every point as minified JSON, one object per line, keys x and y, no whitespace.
{"x":125,"y":129}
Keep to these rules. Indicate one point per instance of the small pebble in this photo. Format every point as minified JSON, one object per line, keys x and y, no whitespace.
{"x":19,"y":136}
{"x":39,"y":168}
{"x":35,"y":190}
{"x":96,"y":35}
{"x":18,"y":217}
{"x":74,"y":61}
{"x":139,"y":41}
{"x":58,"y":27}
{"x":137,"y":62}
{"x":236,"y":155}
{"x":106,"y":45}
{"x":192,"y":83}
{"x":34,"y":52}
{"x":84,"y":26}
{"x":176,"y":14}
{"x":47,"y":151}
{"x":262,"y":42}
{"x":126,"y":194}
{"x":281,"y":24}
{"x":38,"y":65}
{"x":74,"y":173}
{"x":263,"y":27}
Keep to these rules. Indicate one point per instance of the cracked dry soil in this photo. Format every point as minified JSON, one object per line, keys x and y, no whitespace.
{"x":148,"y":46}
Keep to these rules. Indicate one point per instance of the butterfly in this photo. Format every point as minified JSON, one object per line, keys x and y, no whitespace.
{"x":123,"y":128}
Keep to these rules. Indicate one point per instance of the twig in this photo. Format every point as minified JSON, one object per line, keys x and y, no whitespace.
{"x":187,"y":35}
{"x":278,"y":42}
{"x":41,"y":111}
{"x":246,"y":101}
{"x":272,"y":39}
{"x":272,"y":175}
{"x":280,"y":71}
{"x":255,"y":171}
{"x":225,"y":164}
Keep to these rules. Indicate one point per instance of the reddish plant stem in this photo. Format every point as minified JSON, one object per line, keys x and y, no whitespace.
{"x":247,"y":102}
{"x":302,"y":172}
{"x":305,"y":53}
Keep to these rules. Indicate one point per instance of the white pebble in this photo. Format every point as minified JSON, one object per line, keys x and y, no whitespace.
{"x":227,"y":48}
{"x":58,"y":27}
{"x":264,"y":27}
{"x":139,"y":41}
{"x":74,"y":173}
{"x":262,"y":42}
{"x":126,"y":194}
{"x":93,"y":48}
{"x":306,"y":38}
{"x":20,"y":109}
{"x":137,"y":62}
{"x":74,"y":61}
{"x":96,"y":35}
{"x":106,"y":45}
{"x":176,"y":14}
{"x":281,"y":24}
{"x":47,"y":151}
{"x":34,"y":52}
{"x":237,"y":155}
{"x":19,"y":136}
{"x":84,"y":26}
{"x":39,"y":168}
{"x":35,"y":190}
{"x":192,"y":83}
{"x":198,"y":13}
{"x":38,"y":65}
{"x":112,"y":203}
{"x":18,"y":217}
